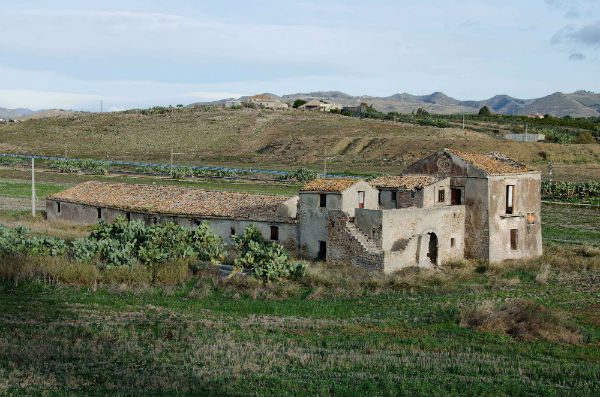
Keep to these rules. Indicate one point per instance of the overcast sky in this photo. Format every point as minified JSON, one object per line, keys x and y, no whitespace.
{"x":71,"y":54}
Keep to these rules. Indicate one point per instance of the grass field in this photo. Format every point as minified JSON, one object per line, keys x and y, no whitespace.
{"x":338,"y":331}
{"x":274,"y":140}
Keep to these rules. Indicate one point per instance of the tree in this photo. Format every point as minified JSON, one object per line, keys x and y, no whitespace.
{"x":422,"y":112}
{"x":298,"y":103}
{"x":484,"y":111}
{"x":584,"y":137}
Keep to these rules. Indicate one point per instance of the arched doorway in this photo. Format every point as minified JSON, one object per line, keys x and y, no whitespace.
{"x":432,"y":253}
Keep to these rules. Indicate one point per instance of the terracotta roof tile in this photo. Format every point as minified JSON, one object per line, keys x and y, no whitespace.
{"x":176,"y":200}
{"x":493,"y":163}
{"x":336,"y":185}
{"x":408,"y":182}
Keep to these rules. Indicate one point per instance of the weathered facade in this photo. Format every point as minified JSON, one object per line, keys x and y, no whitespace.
{"x":445,"y":207}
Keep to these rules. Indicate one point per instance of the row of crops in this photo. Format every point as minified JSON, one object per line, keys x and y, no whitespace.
{"x":128,"y":244}
{"x":99,"y":167}
{"x":568,"y":190}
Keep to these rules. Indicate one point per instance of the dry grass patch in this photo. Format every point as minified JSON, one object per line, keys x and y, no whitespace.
{"x":521,"y":319}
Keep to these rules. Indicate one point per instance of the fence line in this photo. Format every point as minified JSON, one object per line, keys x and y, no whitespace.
{"x":596,"y":206}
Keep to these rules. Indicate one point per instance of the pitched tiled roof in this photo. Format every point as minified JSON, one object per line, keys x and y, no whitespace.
{"x":262,"y":98}
{"x":176,"y":200}
{"x":313,"y":102}
{"x":493,"y":163}
{"x":408,"y":182}
{"x":336,"y":185}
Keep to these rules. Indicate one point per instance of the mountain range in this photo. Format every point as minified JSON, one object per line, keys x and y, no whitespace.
{"x":576,"y":104}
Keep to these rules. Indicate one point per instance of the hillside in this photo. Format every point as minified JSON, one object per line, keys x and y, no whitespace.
{"x":266,"y":139}
{"x":14,"y":113}
{"x":577,"y":104}
{"x":24,"y":114}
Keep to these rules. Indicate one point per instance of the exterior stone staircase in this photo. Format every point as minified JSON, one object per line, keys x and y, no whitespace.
{"x":367,"y":243}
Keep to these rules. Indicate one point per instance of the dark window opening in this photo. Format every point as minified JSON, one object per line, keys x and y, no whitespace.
{"x":322,"y":255}
{"x":274,"y":233}
{"x":412,"y":194}
{"x":232,"y":231}
{"x":455,"y":196}
{"x":452,"y":242}
{"x":195,"y":223}
{"x":531,"y":218}
{"x":58,"y":207}
{"x":128,"y":217}
{"x":322,"y":200}
{"x":99,"y":210}
{"x":379,"y":199}
{"x":513,"y":239}
{"x":394,"y":196}
{"x":510,"y":193}
{"x":441,"y":195}
{"x":154,"y":220}
{"x":432,"y":253}
{"x":361,"y":199}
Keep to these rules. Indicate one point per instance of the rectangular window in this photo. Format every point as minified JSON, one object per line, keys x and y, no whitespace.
{"x":394,"y":196}
{"x":441,"y":195}
{"x":513,"y":239}
{"x":361,"y":199}
{"x":379,"y":199}
{"x":99,"y":210}
{"x":455,"y":196}
{"x":274,"y":233}
{"x":232,"y":231}
{"x":154,"y":220}
{"x":322,"y":200}
{"x":452,"y":242}
{"x":58,"y":207}
{"x":128,"y":217}
{"x":510,"y":196}
{"x":531,"y":218}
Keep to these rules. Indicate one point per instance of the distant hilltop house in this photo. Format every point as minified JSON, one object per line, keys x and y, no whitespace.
{"x":535,"y":116}
{"x":265,"y":101}
{"x":320,"y":106}
{"x":447,"y":206}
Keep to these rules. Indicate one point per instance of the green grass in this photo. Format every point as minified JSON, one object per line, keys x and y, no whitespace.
{"x":196,"y":339}
{"x":571,"y":225}
{"x":23,"y":189}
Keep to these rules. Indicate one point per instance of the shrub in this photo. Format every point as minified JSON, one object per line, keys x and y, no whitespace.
{"x":521,"y":319}
{"x":265,"y":260}
{"x":298,"y":102}
{"x":301,"y":174}
{"x":124,"y":243}
{"x":21,"y":241}
{"x":584,"y":138}
{"x":484,"y":111}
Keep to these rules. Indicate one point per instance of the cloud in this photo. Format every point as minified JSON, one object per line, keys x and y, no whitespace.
{"x":589,"y":34}
{"x":576,"y":56}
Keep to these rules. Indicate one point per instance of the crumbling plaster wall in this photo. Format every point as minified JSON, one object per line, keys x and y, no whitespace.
{"x":527,"y":199}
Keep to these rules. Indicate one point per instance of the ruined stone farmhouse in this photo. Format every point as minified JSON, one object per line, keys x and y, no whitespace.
{"x":447,"y":206}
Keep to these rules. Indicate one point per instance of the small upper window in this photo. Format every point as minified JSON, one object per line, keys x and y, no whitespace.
{"x":322,"y":200}
{"x":531,"y":218}
{"x":232,"y":231}
{"x":99,"y":210}
{"x":441,"y":195}
{"x":58,"y":206}
{"x":452,"y":242}
{"x":510,"y":196}
{"x":394,"y":196}
{"x":361,"y":199}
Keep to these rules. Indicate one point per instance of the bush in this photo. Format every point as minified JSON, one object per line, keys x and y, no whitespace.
{"x":301,"y":174}
{"x":521,"y":319}
{"x":484,"y":111}
{"x":21,"y":241}
{"x":584,"y":138}
{"x":265,"y":260}
{"x":298,"y":102}
{"x":123,"y":243}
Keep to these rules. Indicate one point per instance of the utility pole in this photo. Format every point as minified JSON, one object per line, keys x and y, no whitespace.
{"x":525,"y":132}
{"x":325,"y":163}
{"x":463,"y":121}
{"x":550,"y":170}
{"x":100,"y":105}
{"x":32,"y":187}
{"x":171,"y":168}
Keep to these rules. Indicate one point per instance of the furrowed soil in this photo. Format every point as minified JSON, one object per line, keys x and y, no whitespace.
{"x":274,"y":140}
